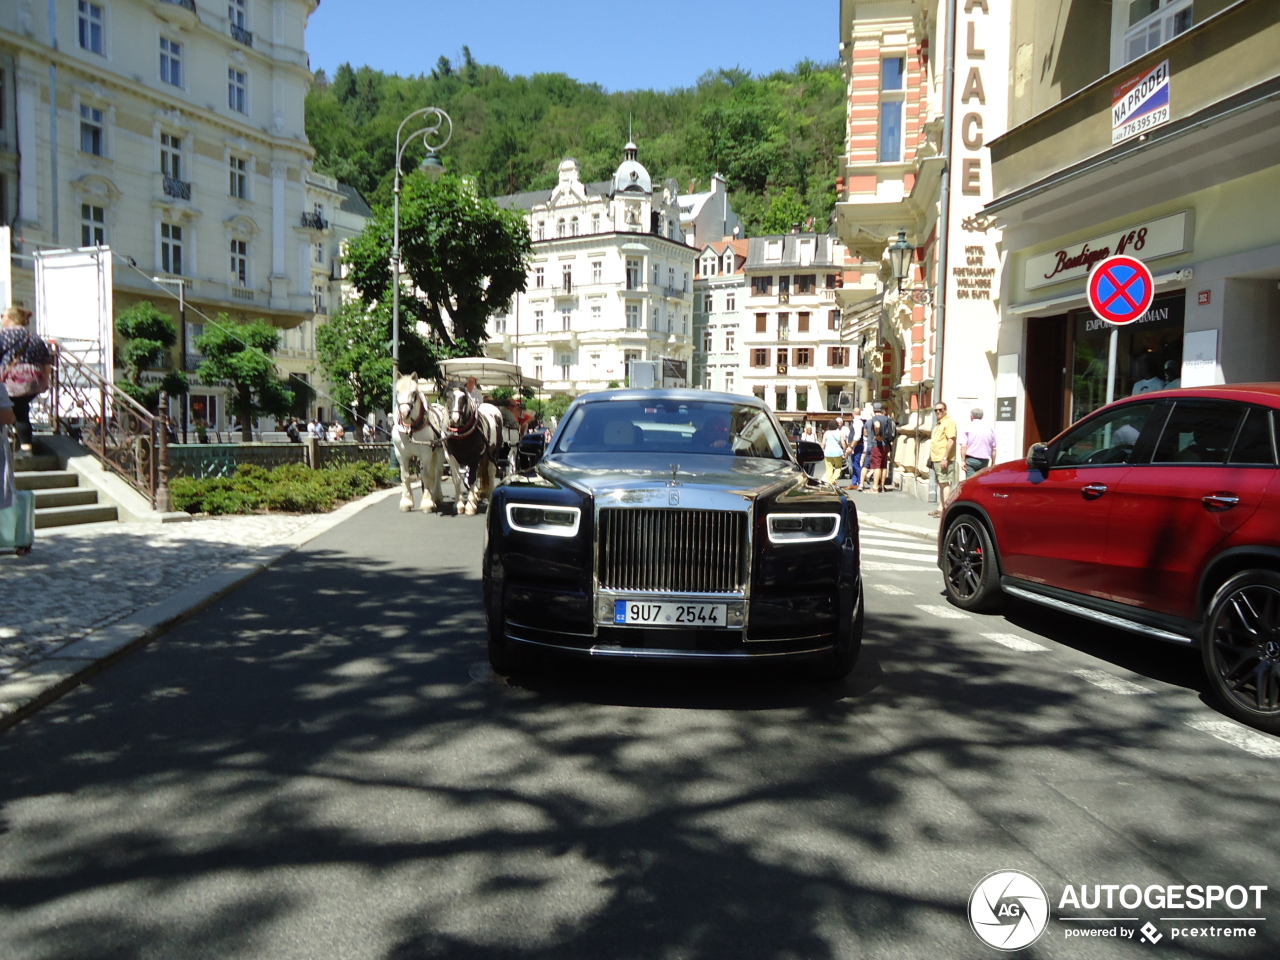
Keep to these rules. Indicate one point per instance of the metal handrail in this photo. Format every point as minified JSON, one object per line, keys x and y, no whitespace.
{"x":124,"y":436}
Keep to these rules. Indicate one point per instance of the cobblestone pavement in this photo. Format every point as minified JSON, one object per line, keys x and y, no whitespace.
{"x":80,"y":579}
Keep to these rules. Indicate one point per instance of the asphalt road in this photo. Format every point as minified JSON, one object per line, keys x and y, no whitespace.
{"x":322,"y":767}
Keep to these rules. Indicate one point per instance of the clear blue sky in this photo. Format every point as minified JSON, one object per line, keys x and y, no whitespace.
{"x":650,"y":44}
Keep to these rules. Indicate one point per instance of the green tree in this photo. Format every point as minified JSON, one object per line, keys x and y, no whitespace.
{"x":463,"y":256}
{"x":239,"y":355}
{"x":149,"y":335}
{"x":786,"y":209}
{"x":354,"y":350}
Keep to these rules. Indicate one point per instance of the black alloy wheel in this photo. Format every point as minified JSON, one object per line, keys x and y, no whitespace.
{"x":1241,"y":648}
{"x":969,"y":571}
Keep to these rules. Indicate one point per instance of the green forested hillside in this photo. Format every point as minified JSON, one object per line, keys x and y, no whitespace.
{"x":775,"y":139}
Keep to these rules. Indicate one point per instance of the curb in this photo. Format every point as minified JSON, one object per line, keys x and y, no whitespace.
{"x":28,"y":691}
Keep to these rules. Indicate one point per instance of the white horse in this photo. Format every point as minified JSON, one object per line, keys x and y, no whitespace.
{"x":419,"y":431}
{"x":472,"y":441}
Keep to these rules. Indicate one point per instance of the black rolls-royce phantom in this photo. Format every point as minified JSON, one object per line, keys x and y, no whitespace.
{"x":673,"y":525}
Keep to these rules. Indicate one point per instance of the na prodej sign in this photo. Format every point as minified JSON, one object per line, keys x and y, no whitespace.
{"x":1141,"y":103}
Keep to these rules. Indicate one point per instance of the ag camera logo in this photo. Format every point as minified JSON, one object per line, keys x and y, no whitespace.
{"x":1008,"y":910}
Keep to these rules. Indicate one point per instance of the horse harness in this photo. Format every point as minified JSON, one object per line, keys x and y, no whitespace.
{"x":420,"y":421}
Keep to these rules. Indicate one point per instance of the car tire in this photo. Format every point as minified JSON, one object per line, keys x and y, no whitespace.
{"x":969,"y":572}
{"x":1240,"y":646}
{"x":839,"y":663}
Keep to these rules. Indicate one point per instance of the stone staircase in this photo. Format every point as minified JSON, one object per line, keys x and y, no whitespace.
{"x":60,"y":499}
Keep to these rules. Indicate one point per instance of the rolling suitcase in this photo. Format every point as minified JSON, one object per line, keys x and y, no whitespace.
{"x":18,"y":523}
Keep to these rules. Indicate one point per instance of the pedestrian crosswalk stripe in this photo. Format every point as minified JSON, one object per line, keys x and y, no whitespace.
{"x":879,"y":566}
{"x":1111,"y":684}
{"x":941,"y":612}
{"x":926,"y":559}
{"x":1259,"y":744}
{"x":914,"y":546}
{"x":892,"y":589}
{"x":1014,"y":642}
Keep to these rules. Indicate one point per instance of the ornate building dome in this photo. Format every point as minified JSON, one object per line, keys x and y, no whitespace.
{"x":631,"y":176}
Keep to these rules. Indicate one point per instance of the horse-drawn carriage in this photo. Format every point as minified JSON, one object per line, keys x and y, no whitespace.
{"x":479,"y":440}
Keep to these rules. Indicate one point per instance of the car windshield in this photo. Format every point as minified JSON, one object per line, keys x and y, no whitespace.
{"x":714,"y":427}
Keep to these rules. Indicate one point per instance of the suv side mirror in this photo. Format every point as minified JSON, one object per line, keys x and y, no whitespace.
{"x":532,"y":447}
{"x":1038,"y":456}
{"x":808,"y":452}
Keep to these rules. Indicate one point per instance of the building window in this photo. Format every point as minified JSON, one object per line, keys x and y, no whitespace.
{"x":542,"y":230}
{"x":671,"y":278}
{"x":237,"y":90}
{"x":537,"y":371}
{"x":240,"y":263}
{"x":707,"y":266}
{"x":539,"y":277}
{"x":728,"y":263}
{"x":806,"y":282}
{"x":655,"y":274}
{"x":573,"y":226}
{"x":762,"y":286}
{"x":728,"y":381}
{"x":1153,"y":22}
{"x":833,"y":319}
{"x":171,"y":156}
{"x":784,"y":325}
{"x":90,"y":28}
{"x":838,"y":356}
{"x":235,"y":14}
{"x":759,"y":357}
{"x":762,"y":323}
{"x":319,"y":252}
{"x":685,"y":288}
{"x":537,"y":321}
{"x":171,"y":249}
{"x":560,"y":227}
{"x":773,"y":249}
{"x":566,"y":277}
{"x":633,"y":274}
{"x":708,"y":303}
{"x":728,"y":341}
{"x":239,"y":182}
{"x":91,"y":131}
{"x":595,"y":315}
{"x":171,"y":61}
{"x":595,"y":223}
{"x":633,"y":316}
{"x":706,"y":341}
{"x":93,"y":226}
{"x":565,"y":316}
{"x":597,"y":271}
{"x":802,"y":398}
{"x":892,"y":108}
{"x":500,"y":324}
{"x":802,"y":322}
{"x":564,"y":361}
{"x":803,"y":357}
{"x":780,"y":399}
{"x":730,"y":302}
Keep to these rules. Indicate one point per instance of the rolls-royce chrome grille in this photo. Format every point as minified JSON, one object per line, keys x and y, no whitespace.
{"x":676,"y":551}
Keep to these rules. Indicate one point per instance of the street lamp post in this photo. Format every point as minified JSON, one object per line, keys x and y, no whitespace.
{"x":435,"y":129}
{"x":181,"y":284}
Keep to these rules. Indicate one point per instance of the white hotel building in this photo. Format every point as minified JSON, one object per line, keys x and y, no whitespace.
{"x":610,"y":282}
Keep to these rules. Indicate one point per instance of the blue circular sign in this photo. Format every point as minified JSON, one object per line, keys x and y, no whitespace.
{"x":1120,"y":289}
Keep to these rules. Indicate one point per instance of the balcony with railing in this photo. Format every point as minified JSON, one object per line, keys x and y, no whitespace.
{"x":178,"y":189}
{"x":179,"y":12}
{"x":314,"y":221}
{"x":241,"y":35}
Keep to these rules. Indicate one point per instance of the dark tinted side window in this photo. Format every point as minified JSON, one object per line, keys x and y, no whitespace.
{"x":1256,"y":442}
{"x":1107,"y":438}
{"x":1199,"y":432}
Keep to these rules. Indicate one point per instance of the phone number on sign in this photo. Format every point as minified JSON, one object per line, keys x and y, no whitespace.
{"x":1135,"y":127}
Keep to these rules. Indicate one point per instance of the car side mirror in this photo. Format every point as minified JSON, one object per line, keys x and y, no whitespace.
{"x":808,"y":452}
{"x":532,"y":447}
{"x":1038,"y":456}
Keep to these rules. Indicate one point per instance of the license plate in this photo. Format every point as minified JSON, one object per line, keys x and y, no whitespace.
{"x":649,"y":614}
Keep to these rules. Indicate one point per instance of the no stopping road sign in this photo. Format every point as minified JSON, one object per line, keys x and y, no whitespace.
{"x":1120,"y":289}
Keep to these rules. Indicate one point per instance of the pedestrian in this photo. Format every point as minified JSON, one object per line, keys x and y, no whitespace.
{"x":26,"y":367}
{"x":978,"y":445}
{"x":942,"y":455}
{"x":879,"y":455}
{"x":833,"y":451}
{"x":888,"y":436}
{"x":7,"y":419}
{"x":292,"y":432}
{"x":474,"y":393}
{"x":853,"y":451}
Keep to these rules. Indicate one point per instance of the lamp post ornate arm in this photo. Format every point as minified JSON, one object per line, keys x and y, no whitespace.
{"x":435,"y":128}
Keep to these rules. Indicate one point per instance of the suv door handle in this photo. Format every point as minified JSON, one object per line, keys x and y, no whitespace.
{"x":1220,"y":501}
{"x":1093,"y":491}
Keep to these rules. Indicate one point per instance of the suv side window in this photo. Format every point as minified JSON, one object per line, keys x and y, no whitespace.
{"x":1105,"y":439}
{"x":1199,"y":432}
{"x":1255,"y":444}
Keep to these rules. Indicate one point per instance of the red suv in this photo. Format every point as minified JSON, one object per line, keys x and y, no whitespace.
{"x":1160,"y":514}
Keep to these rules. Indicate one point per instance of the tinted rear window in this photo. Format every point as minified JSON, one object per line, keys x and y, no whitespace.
{"x":1198,"y":433}
{"x":1256,"y":441}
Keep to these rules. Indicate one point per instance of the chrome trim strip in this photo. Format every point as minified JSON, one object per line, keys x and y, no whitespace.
{"x":1097,"y":615}
{"x":649,"y":653}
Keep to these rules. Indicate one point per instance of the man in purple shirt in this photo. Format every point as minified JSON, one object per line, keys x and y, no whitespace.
{"x":977,"y":444}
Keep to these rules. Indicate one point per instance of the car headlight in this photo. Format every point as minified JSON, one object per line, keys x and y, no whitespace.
{"x":549,"y":520}
{"x":803,"y":527}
